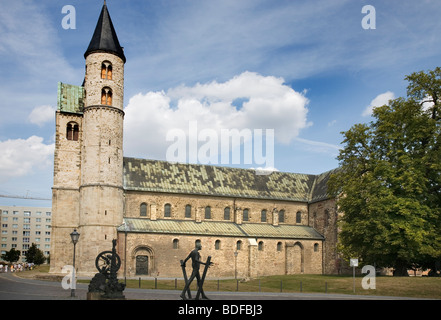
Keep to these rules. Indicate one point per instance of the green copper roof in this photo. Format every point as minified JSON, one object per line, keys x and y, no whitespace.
{"x":219,"y":228}
{"x":162,"y":176}
{"x":70,"y":98}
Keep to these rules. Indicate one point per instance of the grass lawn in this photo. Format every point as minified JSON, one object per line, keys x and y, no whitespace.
{"x":421,"y":287}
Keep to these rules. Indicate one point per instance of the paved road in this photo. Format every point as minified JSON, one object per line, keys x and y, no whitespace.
{"x":16,"y":288}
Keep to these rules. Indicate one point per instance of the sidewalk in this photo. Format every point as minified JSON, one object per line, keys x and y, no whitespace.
{"x":13,"y":287}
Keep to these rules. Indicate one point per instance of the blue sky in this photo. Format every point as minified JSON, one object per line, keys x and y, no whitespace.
{"x":306,"y":69}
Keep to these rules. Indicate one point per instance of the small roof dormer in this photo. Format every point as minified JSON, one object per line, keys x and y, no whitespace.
{"x":104,"y":38}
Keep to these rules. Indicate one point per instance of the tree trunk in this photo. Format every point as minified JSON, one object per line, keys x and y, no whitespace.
{"x":400,"y":270}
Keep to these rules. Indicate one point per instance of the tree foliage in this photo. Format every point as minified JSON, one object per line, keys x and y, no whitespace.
{"x":35,"y":255}
{"x":389,"y":182}
{"x":11,"y":256}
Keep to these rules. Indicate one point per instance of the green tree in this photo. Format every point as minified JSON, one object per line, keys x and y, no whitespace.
{"x":35,"y":255}
{"x":389,"y":184}
{"x":11,"y":256}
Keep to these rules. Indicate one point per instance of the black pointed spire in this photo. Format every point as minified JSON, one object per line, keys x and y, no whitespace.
{"x":104,"y":38}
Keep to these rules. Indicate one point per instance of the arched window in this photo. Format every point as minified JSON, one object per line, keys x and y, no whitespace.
{"x":227,"y":213}
{"x":175,"y":244}
{"x":167,"y":210}
{"x":282,"y":216}
{"x":299,"y":217}
{"x":239,"y":245}
{"x":260,"y":246}
{"x":263,"y":216}
{"x":106,"y":96}
{"x":72,"y":131}
{"x":143,"y":209}
{"x":207,"y":212}
{"x":217,"y":245}
{"x":106,"y":70}
{"x":188,"y":211}
{"x":246,"y":216}
{"x":316,"y":247}
{"x":279,"y":246}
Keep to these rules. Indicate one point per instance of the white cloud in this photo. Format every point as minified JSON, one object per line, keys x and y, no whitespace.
{"x":319,"y":147}
{"x":380,"y":100}
{"x":247,"y":101}
{"x":20,"y":157}
{"x":41,"y":115}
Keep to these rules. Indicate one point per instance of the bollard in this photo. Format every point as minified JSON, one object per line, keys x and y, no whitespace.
{"x":176,"y":283}
{"x":156,"y":283}
{"x":139,"y":282}
{"x":300,"y":286}
{"x":281,"y":285}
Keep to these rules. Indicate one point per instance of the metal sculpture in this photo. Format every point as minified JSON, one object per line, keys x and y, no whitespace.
{"x":106,"y":281}
{"x":195,"y":263}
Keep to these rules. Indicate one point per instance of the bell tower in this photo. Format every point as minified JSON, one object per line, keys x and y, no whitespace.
{"x":101,"y":194}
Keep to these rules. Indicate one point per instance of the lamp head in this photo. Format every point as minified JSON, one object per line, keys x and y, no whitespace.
{"x":75,"y":236}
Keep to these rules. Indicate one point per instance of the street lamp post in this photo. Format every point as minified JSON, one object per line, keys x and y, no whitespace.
{"x":74,"y":236}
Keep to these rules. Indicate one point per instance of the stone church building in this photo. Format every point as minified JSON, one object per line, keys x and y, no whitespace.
{"x":251,"y":225}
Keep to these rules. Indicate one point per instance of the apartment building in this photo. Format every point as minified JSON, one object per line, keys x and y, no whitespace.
{"x":22,"y":226}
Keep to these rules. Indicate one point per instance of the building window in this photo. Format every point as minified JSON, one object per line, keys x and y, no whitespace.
{"x":207,"y":212}
{"x":175,"y":244}
{"x":106,"y":70}
{"x":260,"y":246}
{"x":298,"y":217}
{"x":143,"y":209}
{"x":227,"y":213}
{"x":245,"y":215}
{"x":188,"y":211}
{"x":316,"y":247}
{"x":279,"y":246}
{"x":239,"y":245}
{"x":106,"y":96}
{"x":326,"y":217}
{"x":282,"y":216}
{"x":217,"y":245}
{"x":167,"y":210}
{"x":72,"y":131}
{"x":263,"y":216}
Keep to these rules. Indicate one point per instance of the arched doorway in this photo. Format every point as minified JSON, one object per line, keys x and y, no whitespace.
{"x":294,"y":258}
{"x":143,"y":260}
{"x":142,"y":265}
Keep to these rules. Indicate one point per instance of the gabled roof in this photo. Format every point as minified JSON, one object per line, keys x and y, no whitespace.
{"x":180,"y":178}
{"x":104,"y":38}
